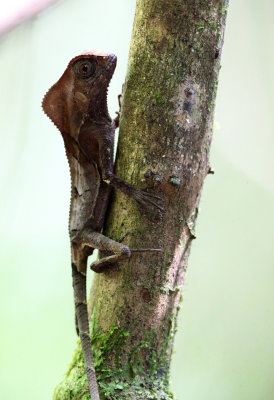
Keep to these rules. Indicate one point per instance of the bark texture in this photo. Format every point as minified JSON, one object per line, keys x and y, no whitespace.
{"x":165,"y":136}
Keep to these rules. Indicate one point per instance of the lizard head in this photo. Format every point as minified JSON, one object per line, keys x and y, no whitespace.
{"x":81,"y":92}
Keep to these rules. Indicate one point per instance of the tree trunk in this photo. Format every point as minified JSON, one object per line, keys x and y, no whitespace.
{"x":165,"y":136}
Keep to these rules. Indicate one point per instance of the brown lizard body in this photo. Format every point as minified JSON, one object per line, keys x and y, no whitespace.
{"x":77,"y":104}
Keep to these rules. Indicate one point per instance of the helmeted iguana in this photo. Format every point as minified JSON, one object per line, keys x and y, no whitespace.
{"x":77,"y":104}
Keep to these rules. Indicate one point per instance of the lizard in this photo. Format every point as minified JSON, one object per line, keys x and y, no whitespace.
{"x":77,"y":105}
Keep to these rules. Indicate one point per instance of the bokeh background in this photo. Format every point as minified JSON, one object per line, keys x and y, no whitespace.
{"x":224,"y":342}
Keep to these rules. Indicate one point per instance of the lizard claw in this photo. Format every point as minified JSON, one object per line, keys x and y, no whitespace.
{"x":117,"y":119}
{"x":147,"y":200}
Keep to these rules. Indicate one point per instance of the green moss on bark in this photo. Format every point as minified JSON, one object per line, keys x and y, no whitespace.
{"x":114,"y":383}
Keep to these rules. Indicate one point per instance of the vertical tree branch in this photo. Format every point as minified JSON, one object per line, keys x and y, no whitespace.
{"x":165,"y":136}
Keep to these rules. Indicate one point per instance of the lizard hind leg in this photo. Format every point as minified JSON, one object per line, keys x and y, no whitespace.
{"x":96,"y":240}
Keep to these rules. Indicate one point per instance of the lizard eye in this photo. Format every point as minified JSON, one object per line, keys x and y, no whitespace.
{"x":85,"y":68}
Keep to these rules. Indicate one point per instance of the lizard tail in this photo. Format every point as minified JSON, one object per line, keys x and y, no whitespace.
{"x":80,"y":298}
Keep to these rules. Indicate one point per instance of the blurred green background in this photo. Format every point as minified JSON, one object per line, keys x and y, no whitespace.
{"x":224,"y":343}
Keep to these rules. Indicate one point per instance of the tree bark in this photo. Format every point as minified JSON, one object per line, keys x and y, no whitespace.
{"x":165,"y":137}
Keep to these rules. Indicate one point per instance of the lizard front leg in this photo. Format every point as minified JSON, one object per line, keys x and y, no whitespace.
{"x":141,"y":197}
{"x":120,"y":101}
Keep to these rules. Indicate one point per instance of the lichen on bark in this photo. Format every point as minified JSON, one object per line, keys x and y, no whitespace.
{"x":165,"y":136}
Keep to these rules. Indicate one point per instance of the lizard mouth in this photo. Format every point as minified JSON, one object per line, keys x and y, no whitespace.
{"x":110,"y":65}
{"x":105,"y":74}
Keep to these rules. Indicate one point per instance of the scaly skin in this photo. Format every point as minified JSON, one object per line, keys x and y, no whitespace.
{"x":77,"y":105}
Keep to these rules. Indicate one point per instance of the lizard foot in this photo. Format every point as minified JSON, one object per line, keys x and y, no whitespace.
{"x":148,"y":200}
{"x":106,"y":262}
